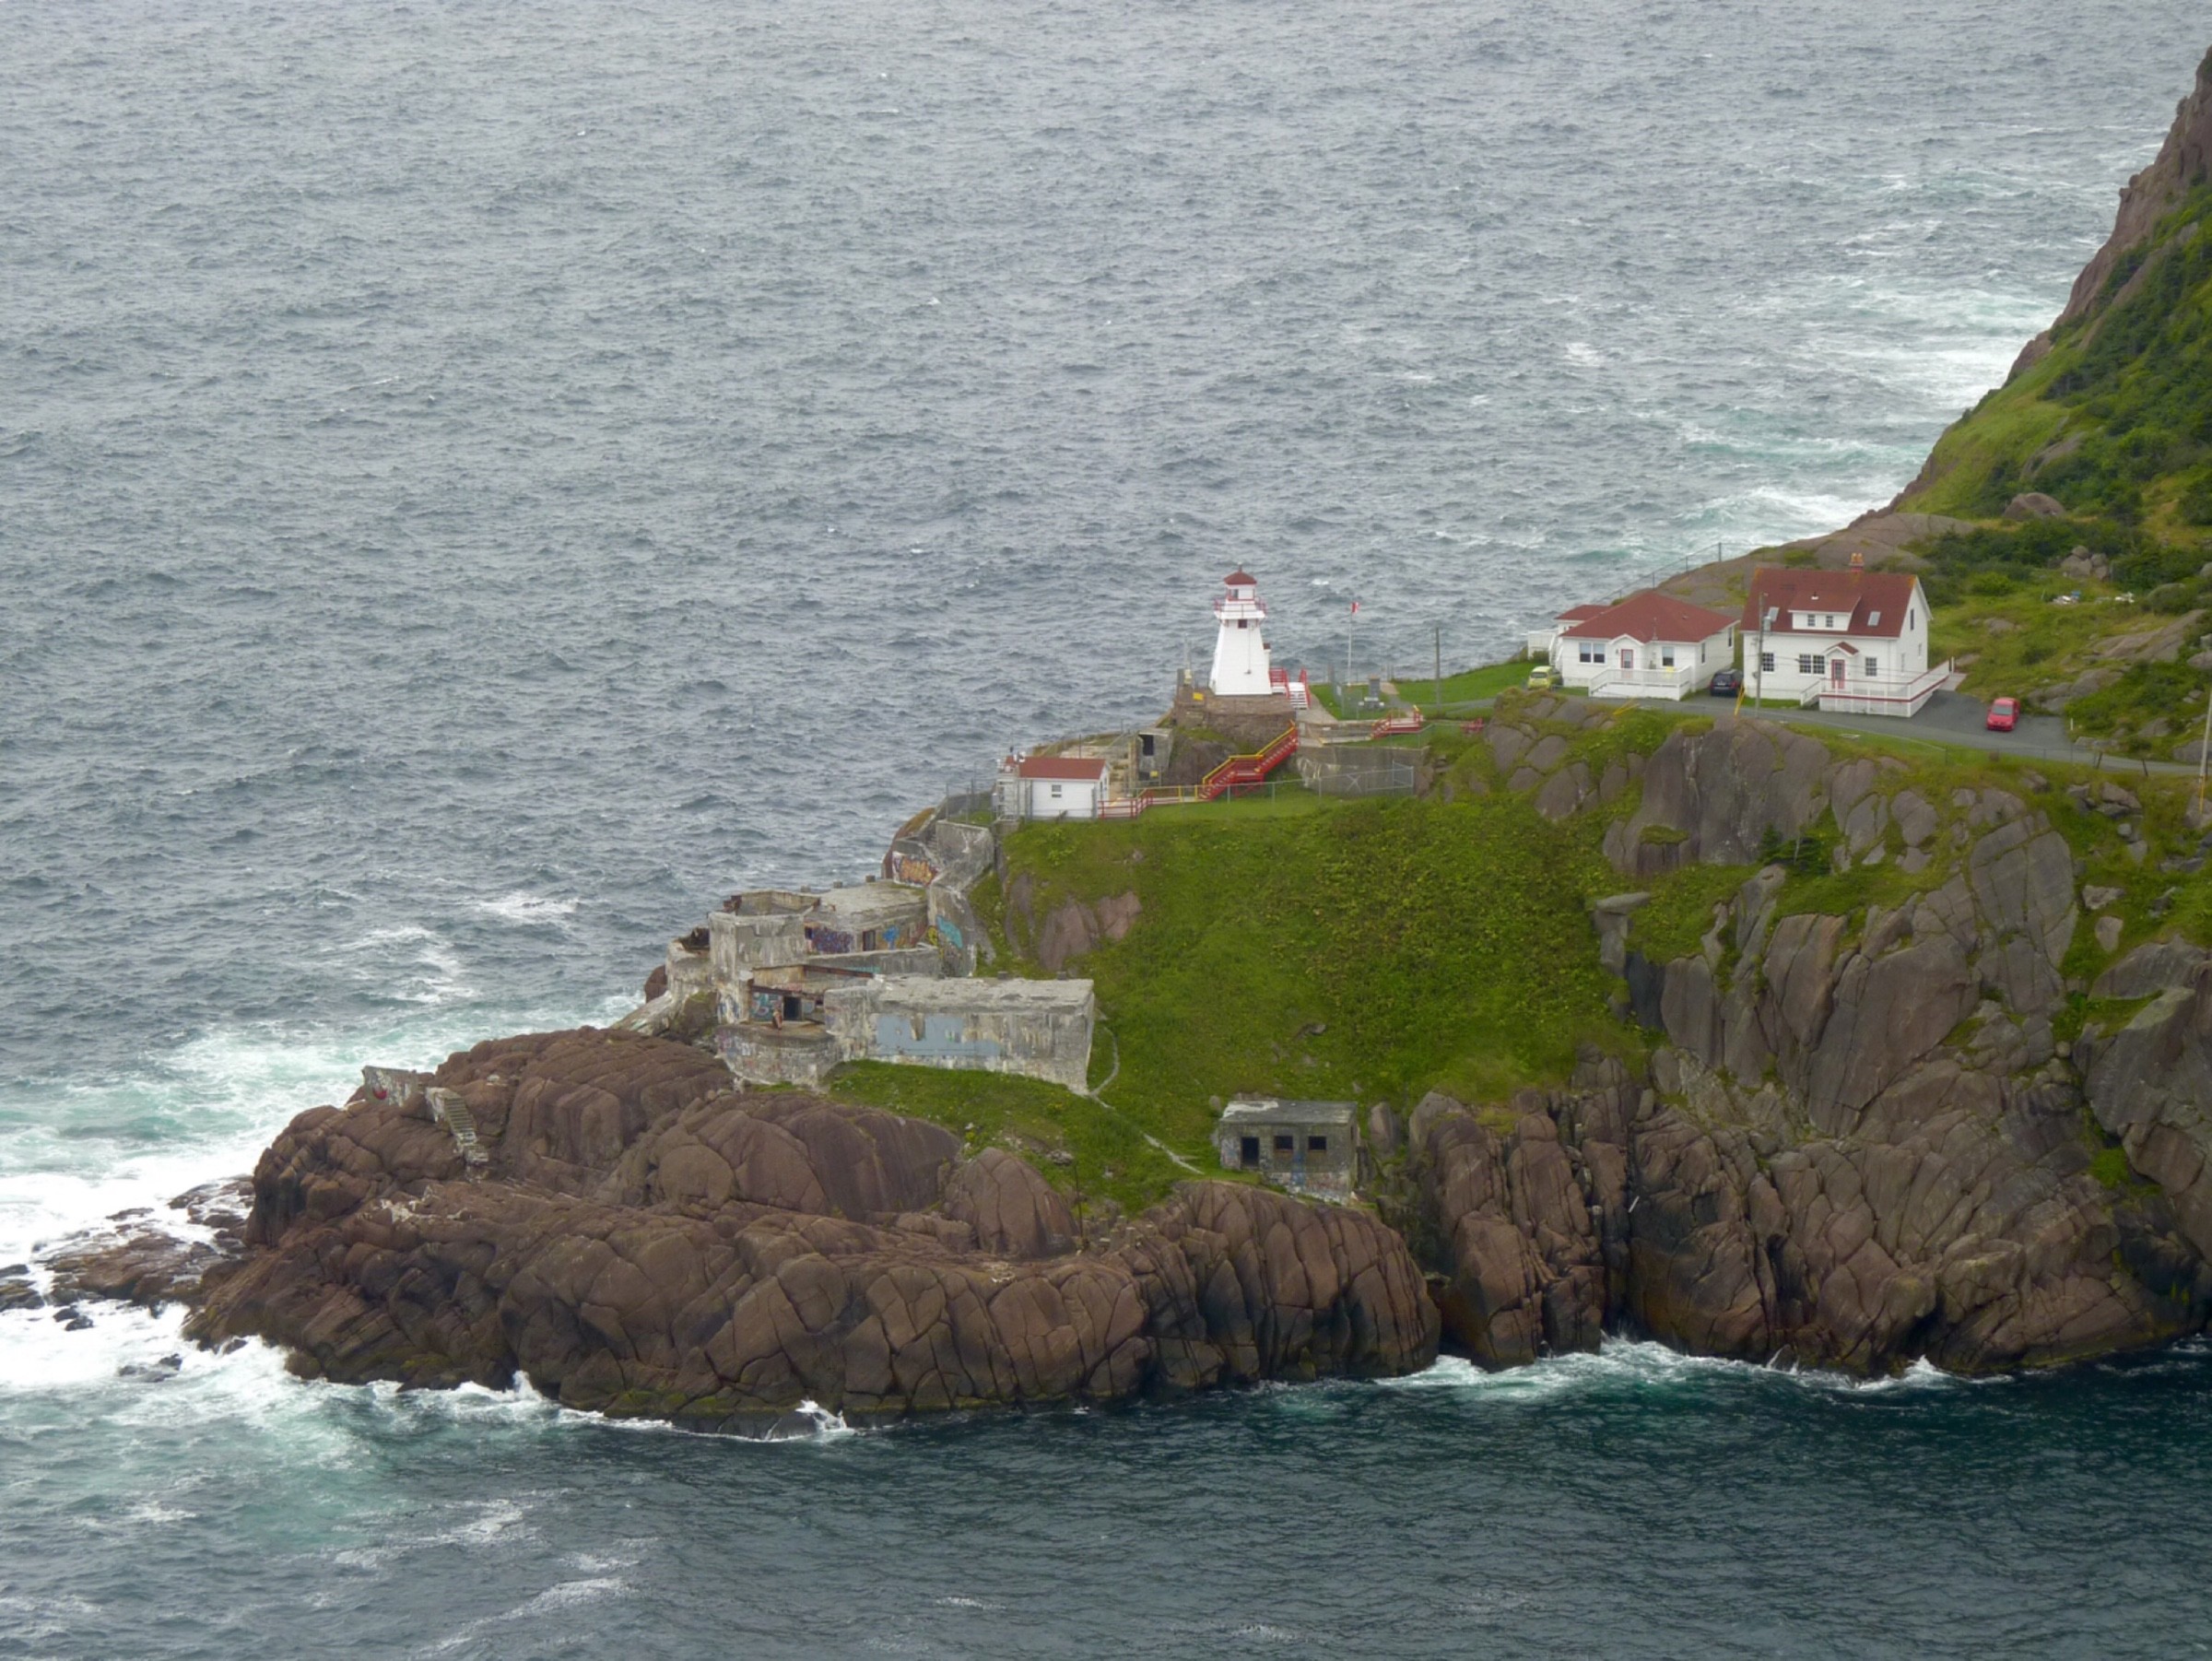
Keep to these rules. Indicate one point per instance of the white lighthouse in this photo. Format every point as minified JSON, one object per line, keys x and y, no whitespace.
{"x":1241,"y":646}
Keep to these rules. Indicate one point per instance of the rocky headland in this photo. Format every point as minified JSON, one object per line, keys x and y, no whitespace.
{"x":642,"y":1240}
{"x":1825,"y":1055}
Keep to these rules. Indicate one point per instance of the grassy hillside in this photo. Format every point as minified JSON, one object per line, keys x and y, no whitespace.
{"x":2115,"y":420}
{"x":1376,"y":950}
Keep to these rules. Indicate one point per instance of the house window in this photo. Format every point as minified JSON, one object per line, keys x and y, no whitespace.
{"x":1766,"y":662}
{"x":1055,"y":793}
{"x":1874,"y":668}
{"x":1829,"y":621}
{"x":1317,"y":1145}
{"x":1666,"y":657}
{"x":1808,"y":663}
{"x":1589,"y":652}
{"x":1909,"y":620}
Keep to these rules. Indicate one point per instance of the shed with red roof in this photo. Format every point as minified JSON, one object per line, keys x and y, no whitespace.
{"x":1052,"y":787}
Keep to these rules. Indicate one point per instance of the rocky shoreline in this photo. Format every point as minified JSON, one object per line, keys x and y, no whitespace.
{"x":1855,"y":1135}
{"x":1857,"y":1143}
{"x":642,"y":1241}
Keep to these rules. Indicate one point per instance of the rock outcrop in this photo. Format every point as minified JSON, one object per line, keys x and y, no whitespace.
{"x":641,"y":1241}
{"x":2151,"y":1082}
{"x":1860,"y":1141}
{"x":2183,"y":162}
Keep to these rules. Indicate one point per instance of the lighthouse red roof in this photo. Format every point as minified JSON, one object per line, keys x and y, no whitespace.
{"x":1240,"y":578}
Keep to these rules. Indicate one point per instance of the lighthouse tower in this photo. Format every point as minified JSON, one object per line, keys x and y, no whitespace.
{"x":1241,"y":648}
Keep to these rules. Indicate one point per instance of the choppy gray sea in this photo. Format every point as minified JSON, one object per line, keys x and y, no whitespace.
{"x":479,"y":482}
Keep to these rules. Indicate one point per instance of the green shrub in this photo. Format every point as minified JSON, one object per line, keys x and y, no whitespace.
{"x":2109,"y":1166}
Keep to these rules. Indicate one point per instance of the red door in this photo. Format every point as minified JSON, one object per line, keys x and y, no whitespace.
{"x":1835,"y":672}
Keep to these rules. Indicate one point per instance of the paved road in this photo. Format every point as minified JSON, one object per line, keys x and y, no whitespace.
{"x":1955,"y":718}
{"x":1951,"y":718}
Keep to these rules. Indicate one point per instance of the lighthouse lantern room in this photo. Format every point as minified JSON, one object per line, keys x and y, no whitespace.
{"x":1241,"y":646}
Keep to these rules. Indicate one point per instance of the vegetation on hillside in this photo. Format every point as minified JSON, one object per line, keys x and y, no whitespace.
{"x":2115,"y":420}
{"x":1375,"y":951}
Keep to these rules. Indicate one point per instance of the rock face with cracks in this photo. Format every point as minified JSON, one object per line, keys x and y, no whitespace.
{"x":641,"y":1241}
{"x":1859,"y":1142}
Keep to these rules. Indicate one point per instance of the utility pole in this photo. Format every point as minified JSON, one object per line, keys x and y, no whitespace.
{"x":1440,"y":671}
{"x":2204,"y":752}
{"x":1766,"y":621}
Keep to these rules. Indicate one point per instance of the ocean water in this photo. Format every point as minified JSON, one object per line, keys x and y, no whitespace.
{"x":477,"y":483}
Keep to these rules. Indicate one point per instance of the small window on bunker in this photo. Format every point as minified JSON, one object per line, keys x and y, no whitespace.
{"x":1317,"y":1145}
{"x":1283,"y":1148}
{"x":1248,"y":1150}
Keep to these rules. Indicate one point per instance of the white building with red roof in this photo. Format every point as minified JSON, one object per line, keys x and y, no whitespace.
{"x":1648,"y":645}
{"x":1855,"y":640}
{"x":1050,"y":787}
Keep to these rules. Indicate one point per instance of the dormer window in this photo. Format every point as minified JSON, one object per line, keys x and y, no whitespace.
{"x":1874,"y":619}
{"x":1830,"y":621}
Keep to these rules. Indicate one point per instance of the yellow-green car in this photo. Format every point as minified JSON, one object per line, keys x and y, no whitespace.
{"x":1540,"y":678}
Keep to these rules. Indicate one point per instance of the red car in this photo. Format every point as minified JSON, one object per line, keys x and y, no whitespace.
{"x":2003,"y":715}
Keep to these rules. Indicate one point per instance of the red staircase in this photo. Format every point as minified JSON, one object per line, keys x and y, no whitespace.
{"x":1236,"y":774}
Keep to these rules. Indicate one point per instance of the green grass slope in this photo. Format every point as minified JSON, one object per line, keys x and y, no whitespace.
{"x":1375,"y":951}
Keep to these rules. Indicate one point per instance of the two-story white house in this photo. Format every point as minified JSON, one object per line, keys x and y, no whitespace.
{"x":1853,"y":640}
{"x":1649,"y":645}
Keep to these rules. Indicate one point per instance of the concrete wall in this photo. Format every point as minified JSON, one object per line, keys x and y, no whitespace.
{"x":962,"y":940}
{"x":763,"y":1054}
{"x":740,"y":943}
{"x":730,"y":996}
{"x":1038,"y":1029}
{"x":1330,"y":1172}
{"x":690,"y":973}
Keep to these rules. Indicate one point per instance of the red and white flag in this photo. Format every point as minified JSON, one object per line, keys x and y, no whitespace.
{"x":1355,"y":608}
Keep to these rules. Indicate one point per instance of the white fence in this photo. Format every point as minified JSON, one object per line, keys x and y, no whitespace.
{"x":1898,"y":698}
{"x":1615,"y":682}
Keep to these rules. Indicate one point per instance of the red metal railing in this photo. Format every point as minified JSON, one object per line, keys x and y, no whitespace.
{"x":1239,"y":772}
{"x":1398,"y":724}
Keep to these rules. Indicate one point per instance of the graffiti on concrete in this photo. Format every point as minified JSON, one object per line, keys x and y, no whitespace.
{"x":932,"y":1038}
{"x":909,"y":867}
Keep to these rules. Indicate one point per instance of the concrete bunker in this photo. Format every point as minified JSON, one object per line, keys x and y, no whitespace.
{"x":1307,"y":1147}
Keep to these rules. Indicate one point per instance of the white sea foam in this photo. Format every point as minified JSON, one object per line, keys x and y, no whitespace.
{"x":525,"y":908}
{"x":1627,"y":1363}
{"x":555,"y":1598}
{"x":29,"y":1620}
{"x":1584,"y":355}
